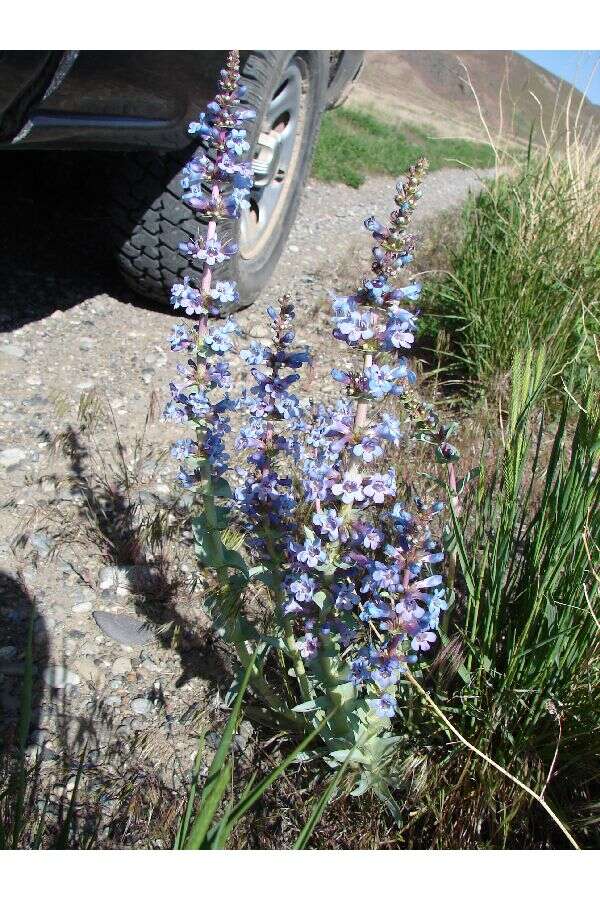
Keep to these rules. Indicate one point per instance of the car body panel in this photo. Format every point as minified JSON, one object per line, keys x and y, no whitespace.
{"x":123,"y":100}
{"x":111,"y":99}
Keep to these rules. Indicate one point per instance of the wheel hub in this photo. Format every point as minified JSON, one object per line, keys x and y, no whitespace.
{"x":274,"y":162}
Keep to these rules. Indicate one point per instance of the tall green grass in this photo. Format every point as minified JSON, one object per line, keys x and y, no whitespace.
{"x":527,"y":269}
{"x":519,"y":675}
{"x":354,"y":143}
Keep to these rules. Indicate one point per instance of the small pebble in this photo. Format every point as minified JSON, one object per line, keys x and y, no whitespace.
{"x":83,"y":607}
{"x":13,"y":351}
{"x":12,"y":457}
{"x":59,"y":678}
{"x":121,"y":665}
{"x":141,"y":706}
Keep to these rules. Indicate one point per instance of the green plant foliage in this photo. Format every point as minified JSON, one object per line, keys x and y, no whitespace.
{"x":521,"y":674}
{"x":354,"y":143}
{"x":526,"y":272}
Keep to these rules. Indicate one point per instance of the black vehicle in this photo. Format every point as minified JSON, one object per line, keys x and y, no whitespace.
{"x":137,"y":104}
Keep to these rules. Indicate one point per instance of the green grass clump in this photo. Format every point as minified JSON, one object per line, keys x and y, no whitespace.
{"x":527,"y":271}
{"x":353,"y":144}
{"x":519,"y":673}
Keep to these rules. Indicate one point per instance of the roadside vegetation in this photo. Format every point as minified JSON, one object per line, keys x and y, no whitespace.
{"x":354,"y":143}
{"x":526,"y":270}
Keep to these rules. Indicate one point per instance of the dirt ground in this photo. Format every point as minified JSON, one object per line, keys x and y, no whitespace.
{"x":86,"y":481}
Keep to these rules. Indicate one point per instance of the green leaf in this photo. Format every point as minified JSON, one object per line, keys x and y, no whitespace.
{"x":200,"y":525}
{"x":262,"y":574}
{"x":219,"y":771}
{"x":319,"y":807}
{"x":319,"y":598}
{"x":253,"y":796}
{"x":182,"y":831}
{"x":312,"y":705}
{"x":235,"y":560}
{"x":221,"y":488}
{"x":212,"y":552}
{"x":210,"y":804}
{"x":363,"y":785}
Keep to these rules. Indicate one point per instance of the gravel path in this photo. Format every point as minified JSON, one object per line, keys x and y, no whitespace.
{"x":71,"y":337}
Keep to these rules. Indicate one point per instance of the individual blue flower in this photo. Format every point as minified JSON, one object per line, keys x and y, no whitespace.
{"x":383,"y":380}
{"x":380,"y":578}
{"x":311,"y":553}
{"x":388,"y":429}
{"x":175,"y":413}
{"x":218,"y":338}
{"x":355,"y":328}
{"x":401,"y":517}
{"x":375,"y":290}
{"x":199,"y":404}
{"x":360,"y":671}
{"x":342,"y":306}
{"x":408,"y":615}
{"x":423,"y":640}
{"x":379,"y":487}
{"x":183,"y":448}
{"x":375,"y":611}
{"x":368,"y":535}
{"x":368,"y":449}
{"x":376,"y":228}
{"x":349,"y":489}
{"x":411,"y":291}
{"x":329,"y":523}
{"x":385,"y":671}
{"x":187,"y":479}
{"x":218,"y":374}
{"x":345,"y":597}
{"x":190,"y":299}
{"x":225,"y":292}
{"x":256,"y":354}
{"x":384,"y":706}
{"x":237,"y":201}
{"x":398,"y":335}
{"x":299,"y":592}
{"x":308,"y":645}
{"x":237,"y":142}
{"x":437,"y":601}
{"x":214,"y":252}
{"x":180,"y":338}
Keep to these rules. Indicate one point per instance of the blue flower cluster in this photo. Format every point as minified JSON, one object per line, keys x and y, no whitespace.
{"x":265,"y":501}
{"x":348,"y":553}
{"x":374,"y":318}
{"x":216,"y":183}
{"x":361,"y":578}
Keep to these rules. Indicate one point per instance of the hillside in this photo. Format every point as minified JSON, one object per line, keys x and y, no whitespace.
{"x":430,"y":88}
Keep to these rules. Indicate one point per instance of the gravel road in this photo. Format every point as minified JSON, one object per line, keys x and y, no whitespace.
{"x":71,"y":338}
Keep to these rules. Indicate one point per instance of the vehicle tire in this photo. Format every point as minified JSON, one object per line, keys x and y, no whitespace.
{"x":345,"y":68}
{"x":288,"y":90}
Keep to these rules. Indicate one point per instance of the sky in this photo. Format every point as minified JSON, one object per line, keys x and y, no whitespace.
{"x":575,"y":66}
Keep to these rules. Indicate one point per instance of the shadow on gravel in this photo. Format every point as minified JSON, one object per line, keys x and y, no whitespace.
{"x":114,"y":520}
{"x":53,"y":248}
{"x":17,"y":606}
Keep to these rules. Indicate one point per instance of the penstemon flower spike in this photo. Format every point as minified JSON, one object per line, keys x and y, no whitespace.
{"x":216,"y":184}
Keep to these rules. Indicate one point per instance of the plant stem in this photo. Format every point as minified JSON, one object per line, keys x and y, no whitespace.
{"x":490,"y":761}
{"x":331,"y":684}
{"x":257,"y":681}
{"x":297,"y":662}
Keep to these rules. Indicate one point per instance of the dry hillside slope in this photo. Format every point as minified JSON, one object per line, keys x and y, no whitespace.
{"x":430,"y":88}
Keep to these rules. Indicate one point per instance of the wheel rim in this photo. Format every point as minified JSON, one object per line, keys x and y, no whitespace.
{"x":275,"y":161}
